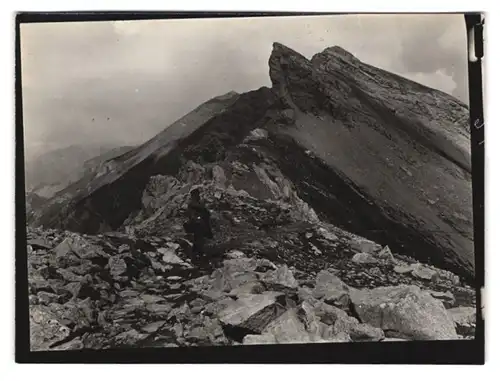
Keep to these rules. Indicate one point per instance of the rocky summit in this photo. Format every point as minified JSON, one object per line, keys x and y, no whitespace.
{"x":341,"y":208}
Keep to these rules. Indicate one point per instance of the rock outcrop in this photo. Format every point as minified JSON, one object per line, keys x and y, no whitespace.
{"x":415,"y":162}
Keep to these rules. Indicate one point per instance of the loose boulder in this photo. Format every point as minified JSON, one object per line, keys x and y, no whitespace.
{"x":331,"y":289}
{"x":425,"y":273}
{"x":365,"y":246}
{"x":279,"y":279}
{"x":405,"y":310}
{"x":288,"y":329}
{"x":253,"y":312}
{"x":364,"y":258}
{"x":341,"y":325}
{"x":169,"y":257}
{"x":46,"y":328}
{"x":385,"y":254}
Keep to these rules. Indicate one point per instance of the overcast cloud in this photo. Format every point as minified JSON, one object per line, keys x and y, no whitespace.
{"x":123,"y":82}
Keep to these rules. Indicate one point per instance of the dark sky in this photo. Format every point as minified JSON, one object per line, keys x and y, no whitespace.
{"x":123,"y":82}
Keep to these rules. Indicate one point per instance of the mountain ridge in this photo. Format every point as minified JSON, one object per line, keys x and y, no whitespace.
{"x":392,"y":147}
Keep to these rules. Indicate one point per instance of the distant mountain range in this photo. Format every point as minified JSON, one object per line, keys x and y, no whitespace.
{"x":54,"y":170}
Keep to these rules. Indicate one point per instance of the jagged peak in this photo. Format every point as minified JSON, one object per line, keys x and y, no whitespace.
{"x":280,"y":46}
{"x":280,"y":50}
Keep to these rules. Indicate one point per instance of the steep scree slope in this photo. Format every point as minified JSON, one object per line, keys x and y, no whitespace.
{"x":404,"y":147}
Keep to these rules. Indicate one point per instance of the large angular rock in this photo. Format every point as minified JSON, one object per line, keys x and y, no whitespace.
{"x":364,"y":258}
{"x":425,"y":273}
{"x":74,"y":288}
{"x":210,"y":332}
{"x":339,"y":325}
{"x":328,"y":235}
{"x":76,"y":314}
{"x":68,"y":260}
{"x":63,"y":248}
{"x":213,"y":308}
{"x":225,"y":280}
{"x":320,"y":326}
{"x":385,"y":254}
{"x":365,"y":332}
{"x":253,"y":312}
{"x":447,"y":275}
{"x":406,"y":310}
{"x":281,"y":278}
{"x":79,"y":248}
{"x":365,"y":246}
{"x":240,"y":265}
{"x":403,"y":269}
{"x":418,"y":271}
{"x":305,"y":294}
{"x":331,"y":289}
{"x":46,"y":328}
{"x":169,"y":257}
{"x":288,"y":329}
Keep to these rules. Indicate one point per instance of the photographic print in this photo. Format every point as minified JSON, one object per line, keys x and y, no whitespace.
{"x":247,"y":181}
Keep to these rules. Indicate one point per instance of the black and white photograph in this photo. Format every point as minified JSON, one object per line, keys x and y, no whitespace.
{"x":248,"y":181}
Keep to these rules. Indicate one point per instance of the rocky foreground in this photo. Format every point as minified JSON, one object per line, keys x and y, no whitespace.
{"x":118,"y":290}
